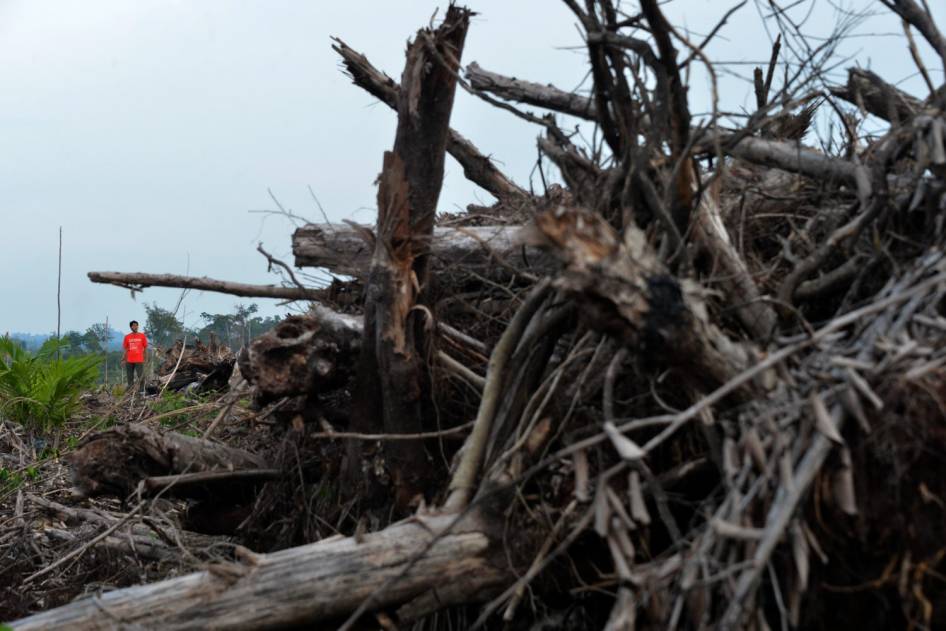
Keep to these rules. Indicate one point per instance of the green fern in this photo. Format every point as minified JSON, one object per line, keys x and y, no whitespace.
{"x":41,"y":391}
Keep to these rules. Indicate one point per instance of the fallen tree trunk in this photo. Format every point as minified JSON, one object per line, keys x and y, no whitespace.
{"x":488,"y":251}
{"x":316,"y":583}
{"x":137,"y":281}
{"x":113,"y":462}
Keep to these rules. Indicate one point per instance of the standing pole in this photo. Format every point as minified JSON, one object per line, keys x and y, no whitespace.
{"x":59,"y":297}
{"x":105,"y":344}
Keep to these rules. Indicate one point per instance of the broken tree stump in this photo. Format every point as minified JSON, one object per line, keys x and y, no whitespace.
{"x":393,"y":392}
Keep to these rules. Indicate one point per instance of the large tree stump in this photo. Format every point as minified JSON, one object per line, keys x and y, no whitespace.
{"x":393,"y":393}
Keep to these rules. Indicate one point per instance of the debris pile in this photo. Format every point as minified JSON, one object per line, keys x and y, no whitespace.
{"x":702,"y":385}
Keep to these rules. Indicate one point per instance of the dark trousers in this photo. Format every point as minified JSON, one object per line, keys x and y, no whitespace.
{"x":131,"y":369}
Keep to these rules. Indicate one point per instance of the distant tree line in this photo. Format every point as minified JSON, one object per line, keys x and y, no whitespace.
{"x":163,"y":328}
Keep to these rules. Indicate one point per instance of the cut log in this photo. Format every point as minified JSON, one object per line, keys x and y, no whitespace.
{"x":314,"y":584}
{"x":113,"y":462}
{"x":489,"y":251}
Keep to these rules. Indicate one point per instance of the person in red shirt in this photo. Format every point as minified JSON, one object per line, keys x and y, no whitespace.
{"x":135,"y":344}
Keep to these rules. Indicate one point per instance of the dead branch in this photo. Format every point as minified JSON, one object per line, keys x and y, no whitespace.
{"x":545,"y":96}
{"x":137,"y":281}
{"x":477,"y":167}
{"x":868,"y":91}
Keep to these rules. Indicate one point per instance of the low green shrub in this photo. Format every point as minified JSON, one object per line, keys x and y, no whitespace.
{"x":39,"y":391}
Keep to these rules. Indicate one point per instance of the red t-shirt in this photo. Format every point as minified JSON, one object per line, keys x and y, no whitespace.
{"x":135,"y":345}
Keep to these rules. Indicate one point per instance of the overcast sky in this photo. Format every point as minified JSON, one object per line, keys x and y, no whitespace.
{"x":149,"y":129}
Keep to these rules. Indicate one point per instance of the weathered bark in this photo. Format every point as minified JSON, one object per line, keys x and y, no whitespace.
{"x":302,"y":355}
{"x":113,"y":462}
{"x":627,"y":293}
{"x":313,"y":584}
{"x":477,"y":167}
{"x":393,"y":380}
{"x":545,"y":96}
{"x":494,"y":252}
{"x":137,"y":281}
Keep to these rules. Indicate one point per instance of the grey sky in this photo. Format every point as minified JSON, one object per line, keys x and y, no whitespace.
{"x":148,"y":129}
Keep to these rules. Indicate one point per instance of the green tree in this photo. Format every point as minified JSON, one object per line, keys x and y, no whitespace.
{"x":161,"y":326}
{"x":238,"y":328}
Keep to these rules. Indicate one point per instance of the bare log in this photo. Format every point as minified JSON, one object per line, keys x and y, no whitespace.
{"x":137,"y":281}
{"x":113,"y":462}
{"x":489,"y":251}
{"x":316,"y":583}
{"x":545,"y":96}
{"x":477,"y":168}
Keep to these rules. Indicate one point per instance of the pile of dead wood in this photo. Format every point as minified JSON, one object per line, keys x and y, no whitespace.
{"x":702,"y":385}
{"x":193,"y":365}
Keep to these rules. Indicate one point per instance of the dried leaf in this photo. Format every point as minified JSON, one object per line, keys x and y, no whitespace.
{"x":844,"y":493}
{"x":730,"y":458}
{"x":823,"y":421}
{"x":862,"y":386}
{"x":627,"y":449}
{"x":734,"y":531}
{"x":800,"y":552}
{"x":753,"y":445}
{"x":580,"y":462}
{"x":538,"y":435}
{"x":786,"y":472}
{"x":638,"y":506}
{"x":602,"y":510}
